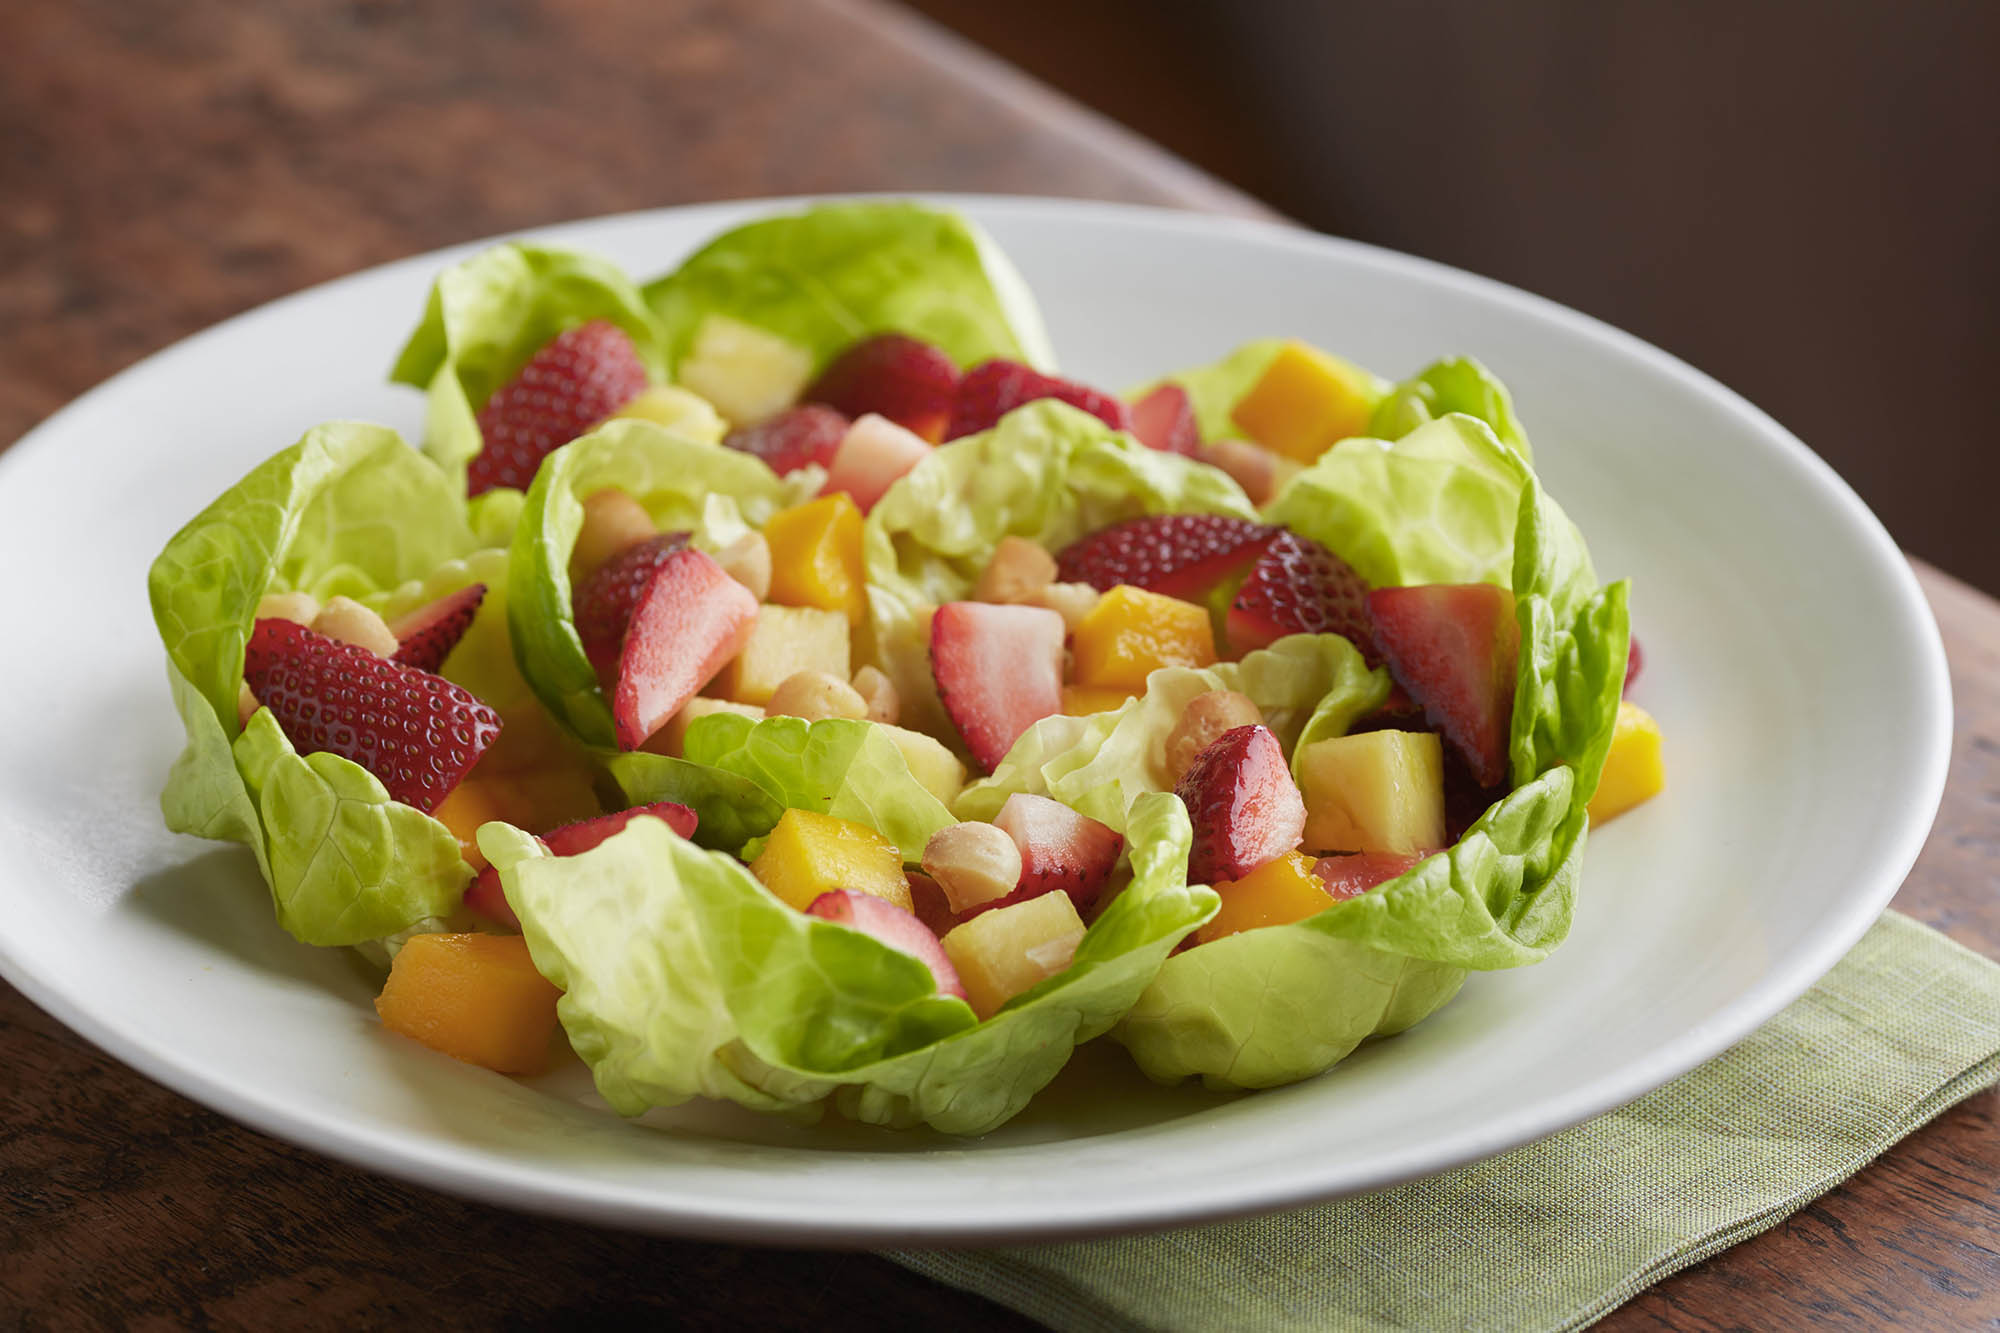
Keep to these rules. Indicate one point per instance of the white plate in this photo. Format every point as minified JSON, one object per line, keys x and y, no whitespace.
{"x":1790,"y":656}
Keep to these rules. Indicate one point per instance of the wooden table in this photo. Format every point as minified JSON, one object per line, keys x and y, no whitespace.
{"x":165,"y":163}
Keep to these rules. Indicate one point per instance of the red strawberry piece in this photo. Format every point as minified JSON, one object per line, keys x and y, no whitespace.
{"x":992,"y":389}
{"x":692,"y":618}
{"x":998,"y":671}
{"x":486,"y":897}
{"x":1399,"y":712}
{"x":1635,"y":662}
{"x":1453,"y":647}
{"x":893,"y":375}
{"x":928,"y":901}
{"x":603,"y":603}
{"x":417,"y":733}
{"x":1353,"y":875}
{"x":1245,"y":808}
{"x":426,"y":636}
{"x":1299,"y":587}
{"x":874,"y":455}
{"x":1060,"y":849}
{"x":1164,"y":420}
{"x":808,"y":433}
{"x":892,"y":926}
{"x":1180,"y":555}
{"x":579,"y":378}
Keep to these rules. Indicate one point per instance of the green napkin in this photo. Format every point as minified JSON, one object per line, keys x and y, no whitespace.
{"x":1558,"y":1233}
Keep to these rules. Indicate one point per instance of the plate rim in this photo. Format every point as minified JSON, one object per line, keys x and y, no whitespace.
{"x":485,"y":1176}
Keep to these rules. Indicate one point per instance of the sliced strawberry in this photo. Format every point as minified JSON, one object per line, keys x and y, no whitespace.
{"x":1299,"y":587}
{"x":797,"y":436}
{"x":579,"y":378}
{"x":602,"y":604}
{"x":998,"y":671}
{"x":426,"y":636}
{"x":692,"y":618}
{"x":485,"y":895}
{"x":1180,"y":555}
{"x":873,"y":455}
{"x":928,"y":901}
{"x":1164,"y":420}
{"x":1060,"y":849}
{"x":1635,"y":662}
{"x":1399,"y":712}
{"x":1453,"y":647}
{"x":1244,"y":805}
{"x":1353,"y":875}
{"x":416,"y":732}
{"x":992,"y":389}
{"x":893,"y":375}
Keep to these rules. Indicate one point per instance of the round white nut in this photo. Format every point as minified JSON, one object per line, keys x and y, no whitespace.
{"x":1071,"y":601}
{"x":298,"y":607}
{"x":1017,"y":571}
{"x":1260,"y":472}
{"x":349,"y":621}
{"x":748,"y":561}
{"x":813,"y":695}
{"x":1202,"y":723}
{"x":879,"y":693}
{"x":246,"y":703}
{"x":973,"y":863}
{"x":612,"y":521}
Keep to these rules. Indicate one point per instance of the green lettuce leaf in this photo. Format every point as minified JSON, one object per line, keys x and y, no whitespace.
{"x":349,"y":509}
{"x":716,"y":493}
{"x":488,"y":314}
{"x":683,"y":977}
{"x":1457,"y":384}
{"x":1047,"y":472}
{"x":733,"y":810}
{"x":835,"y":273}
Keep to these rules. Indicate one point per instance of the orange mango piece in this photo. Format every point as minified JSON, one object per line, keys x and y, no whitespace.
{"x":1633,"y":771}
{"x":1305,"y":401}
{"x":809,"y":854}
{"x":1276,"y":893}
{"x":477,"y":998}
{"x":471,"y":803}
{"x":816,"y":556}
{"x":1131,"y":633}
{"x":1082,"y":700}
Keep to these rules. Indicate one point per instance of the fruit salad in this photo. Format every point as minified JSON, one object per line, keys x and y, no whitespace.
{"x":775,"y":682}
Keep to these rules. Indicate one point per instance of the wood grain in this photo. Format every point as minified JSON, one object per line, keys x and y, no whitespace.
{"x":163,"y":165}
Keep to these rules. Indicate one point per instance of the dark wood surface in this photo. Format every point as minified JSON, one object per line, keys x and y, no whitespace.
{"x":163,"y":165}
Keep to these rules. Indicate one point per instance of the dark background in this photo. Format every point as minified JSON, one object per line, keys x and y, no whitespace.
{"x":1801,"y":198}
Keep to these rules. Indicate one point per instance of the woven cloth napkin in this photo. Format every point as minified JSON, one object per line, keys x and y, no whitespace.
{"x":1558,"y":1233}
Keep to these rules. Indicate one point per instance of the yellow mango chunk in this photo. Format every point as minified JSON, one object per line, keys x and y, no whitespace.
{"x":809,"y":854}
{"x":1082,"y":700}
{"x":999,"y":954}
{"x":1276,"y":893}
{"x":1633,"y":771}
{"x":1305,"y":402}
{"x":816,"y":556}
{"x":1131,"y":633}
{"x":471,"y":803}
{"x":477,"y":998}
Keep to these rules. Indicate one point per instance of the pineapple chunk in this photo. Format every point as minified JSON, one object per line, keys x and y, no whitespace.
{"x":1305,"y":402}
{"x":1132,"y":633}
{"x":477,"y":998}
{"x":747,"y":372}
{"x":1633,"y":771}
{"x":1276,"y":893}
{"x":816,"y":556}
{"x":785,"y":640}
{"x":1379,"y":791}
{"x":809,"y":854}
{"x":931,"y":764}
{"x":999,"y":954}
{"x":671,"y":739}
{"x":686,"y":413}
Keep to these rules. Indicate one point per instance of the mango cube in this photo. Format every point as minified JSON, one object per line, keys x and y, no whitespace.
{"x":1379,"y":791}
{"x":475,"y":801}
{"x":1633,"y":771}
{"x":1131,"y":633}
{"x":1082,"y":700}
{"x":1305,"y":402}
{"x":816,"y":556}
{"x":672,"y":739}
{"x":477,"y":998}
{"x":931,"y":764}
{"x":1276,"y":893}
{"x":785,"y":640}
{"x":999,"y":954}
{"x":809,"y":854}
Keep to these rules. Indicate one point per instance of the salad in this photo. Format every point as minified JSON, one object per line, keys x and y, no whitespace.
{"x":777,"y":683}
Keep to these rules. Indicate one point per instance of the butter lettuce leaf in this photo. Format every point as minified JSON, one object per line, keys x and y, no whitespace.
{"x":1456,"y":384}
{"x":832,"y":274}
{"x":684,"y":977}
{"x":488,"y":314}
